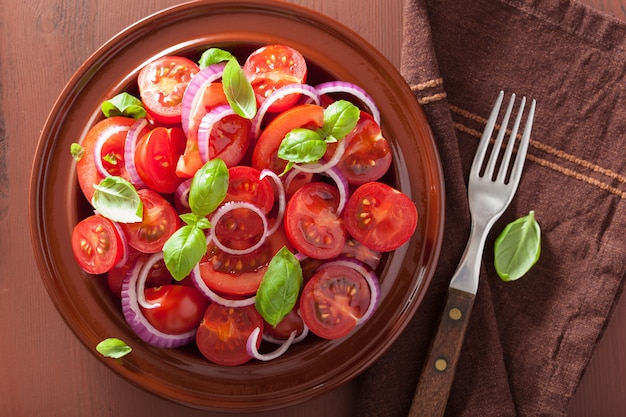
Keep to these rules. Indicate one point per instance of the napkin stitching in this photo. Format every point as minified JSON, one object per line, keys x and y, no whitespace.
{"x":429,"y":84}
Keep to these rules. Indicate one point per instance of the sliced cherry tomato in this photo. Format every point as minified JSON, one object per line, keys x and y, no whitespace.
{"x":357,"y":250}
{"x":96,"y":244}
{"x":156,"y":156}
{"x":272,"y":67}
{"x":266,"y":148}
{"x":367,"y":156}
{"x":209,"y":96}
{"x":158,"y":275}
{"x":380,"y":217}
{"x":224,"y":331}
{"x":160,"y":221}
{"x":333,"y":300}
{"x":229,"y":139}
{"x":162,"y":84}
{"x":115,"y":129}
{"x":311,"y":221}
{"x":178,"y":308}
{"x":292,"y":321}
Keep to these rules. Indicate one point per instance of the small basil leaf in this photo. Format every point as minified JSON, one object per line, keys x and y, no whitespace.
{"x":238,"y":90}
{"x":110,"y":158}
{"x":208,"y":188}
{"x":191,"y":219}
{"x":113,"y":348}
{"x":183,"y":250}
{"x":214,"y":56}
{"x":517,"y":248}
{"x":77,"y":151}
{"x":302,"y":146}
{"x":123,"y":104}
{"x":117,"y":199}
{"x":280,"y":287}
{"x":340,"y":118}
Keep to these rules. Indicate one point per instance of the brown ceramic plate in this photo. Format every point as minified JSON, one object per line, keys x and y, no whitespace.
{"x":93,"y":313}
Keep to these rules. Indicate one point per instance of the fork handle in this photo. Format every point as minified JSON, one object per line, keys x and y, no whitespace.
{"x":433,"y":387}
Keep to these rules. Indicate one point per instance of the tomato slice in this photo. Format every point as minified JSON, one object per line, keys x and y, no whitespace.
{"x":96,"y":244}
{"x":311,"y":221}
{"x":367,"y":156}
{"x":283,"y":329}
{"x":177,"y":308}
{"x":160,"y":221}
{"x":115,"y":130}
{"x":333,"y":300}
{"x":224,"y":331}
{"x":156,"y":156}
{"x":272,"y":67}
{"x":162,"y":84}
{"x":380,"y":217}
{"x":229,"y":139}
{"x":266,"y":148}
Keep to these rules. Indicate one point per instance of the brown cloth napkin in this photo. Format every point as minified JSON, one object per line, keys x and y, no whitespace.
{"x":528,"y":341}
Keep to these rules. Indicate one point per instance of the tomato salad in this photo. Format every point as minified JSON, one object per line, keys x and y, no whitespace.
{"x":237,"y":203}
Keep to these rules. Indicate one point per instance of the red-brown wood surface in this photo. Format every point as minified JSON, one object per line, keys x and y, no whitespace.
{"x":44,"y":370}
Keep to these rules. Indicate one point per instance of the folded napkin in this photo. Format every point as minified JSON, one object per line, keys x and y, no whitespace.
{"x":528,"y":341}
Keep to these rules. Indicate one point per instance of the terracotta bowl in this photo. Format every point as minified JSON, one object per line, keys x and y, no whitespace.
{"x":182,"y":375}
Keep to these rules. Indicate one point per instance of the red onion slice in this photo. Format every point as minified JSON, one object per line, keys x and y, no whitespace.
{"x":342,"y":186}
{"x":297,"y":339}
{"x":182,"y":193}
{"x":303,"y":89}
{"x":97,"y":148}
{"x":233,"y":205}
{"x":197,"y":281}
{"x":282,"y":201}
{"x":206,"y":75}
{"x":143,"y":276}
{"x":354,"y":90}
{"x":138,"y":322}
{"x":370,"y":278}
{"x":130,"y":145}
{"x":125,"y":245}
{"x":254,"y":352}
{"x":206,"y":126}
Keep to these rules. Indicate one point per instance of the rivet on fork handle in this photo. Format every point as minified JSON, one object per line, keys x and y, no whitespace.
{"x":440,"y":366}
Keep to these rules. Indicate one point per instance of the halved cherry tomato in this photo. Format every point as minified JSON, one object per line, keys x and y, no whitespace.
{"x":229,"y":139}
{"x":157,"y":276}
{"x":156,"y":156}
{"x":311,"y":221}
{"x":96,"y":244}
{"x":333,"y":300}
{"x":224,"y":331}
{"x":115,"y":129}
{"x":292,"y":321}
{"x":272,"y":67}
{"x":266,"y":148}
{"x":178,"y":308}
{"x":160,"y":221}
{"x":367,"y":156}
{"x":162,"y":84}
{"x":380,"y":217}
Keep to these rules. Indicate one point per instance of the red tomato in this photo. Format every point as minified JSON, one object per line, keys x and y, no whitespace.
{"x":115,"y":129}
{"x":229,"y":139}
{"x":292,"y":321}
{"x":311,"y":221}
{"x":266,"y":148}
{"x":224,"y":331}
{"x":367,"y":156}
{"x":162,"y":84}
{"x":272,"y":67}
{"x":156,"y":156}
{"x":160,"y":221}
{"x":96,"y":244}
{"x":158,"y":275}
{"x":380,"y":217}
{"x":209,"y":96}
{"x":333,"y":300}
{"x":180,"y":308}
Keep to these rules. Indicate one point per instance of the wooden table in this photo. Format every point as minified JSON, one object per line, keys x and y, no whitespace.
{"x":44,"y":370}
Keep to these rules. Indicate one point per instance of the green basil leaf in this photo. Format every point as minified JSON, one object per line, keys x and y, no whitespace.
{"x":517,"y":248}
{"x":117,"y":199}
{"x":302,"y":146}
{"x":214,"y":56}
{"x":238,"y":90}
{"x":113,"y":348}
{"x":340,"y":118}
{"x":123,"y":104}
{"x":191,"y":219}
{"x":280,"y":287}
{"x":77,"y":151}
{"x":183,"y":250}
{"x":110,"y":158}
{"x":208,"y":188}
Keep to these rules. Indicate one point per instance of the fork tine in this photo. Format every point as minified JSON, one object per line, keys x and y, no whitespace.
{"x":511,"y":144}
{"x":485,"y":138}
{"x":518,"y":166}
{"x":495,"y":150}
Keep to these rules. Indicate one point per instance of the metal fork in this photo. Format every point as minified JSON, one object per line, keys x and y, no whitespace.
{"x":489,"y":192}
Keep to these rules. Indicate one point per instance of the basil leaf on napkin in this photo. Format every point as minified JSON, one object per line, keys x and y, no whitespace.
{"x":517,"y":248}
